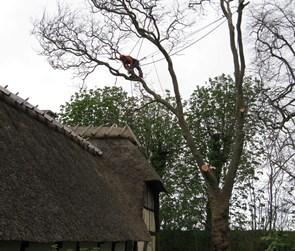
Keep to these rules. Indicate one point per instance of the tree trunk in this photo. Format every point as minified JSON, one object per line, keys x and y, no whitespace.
{"x":220,"y":221}
{"x":208,"y":222}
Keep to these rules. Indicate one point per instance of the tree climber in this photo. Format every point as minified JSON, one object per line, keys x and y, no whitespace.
{"x":129,"y":64}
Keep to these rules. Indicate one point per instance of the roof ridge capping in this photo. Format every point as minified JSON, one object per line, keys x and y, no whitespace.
{"x":104,"y":131}
{"x":127,"y":127}
{"x":43,"y":116}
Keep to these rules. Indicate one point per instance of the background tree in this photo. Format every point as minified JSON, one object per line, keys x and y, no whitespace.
{"x":110,"y":105}
{"x":210,"y":119}
{"x":273,"y":27}
{"x":73,"y":40}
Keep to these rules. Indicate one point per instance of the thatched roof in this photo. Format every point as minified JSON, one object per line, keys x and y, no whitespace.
{"x":56,"y":186}
{"x":91,"y":132}
{"x":118,"y":145}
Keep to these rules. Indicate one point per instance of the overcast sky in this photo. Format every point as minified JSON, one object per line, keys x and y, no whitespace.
{"x":28,"y":73}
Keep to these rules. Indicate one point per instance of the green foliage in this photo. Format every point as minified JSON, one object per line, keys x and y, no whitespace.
{"x":211,"y":116}
{"x":183,"y":206}
{"x":158,"y":132}
{"x":110,"y":105}
{"x":54,"y":247}
{"x":164,"y":145}
{"x":277,"y":241}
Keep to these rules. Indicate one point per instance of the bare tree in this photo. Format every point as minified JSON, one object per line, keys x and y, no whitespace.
{"x":273,"y":27}
{"x":83,"y":42}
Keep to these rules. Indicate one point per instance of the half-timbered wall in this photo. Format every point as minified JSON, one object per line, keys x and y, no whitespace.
{"x":150,"y":216}
{"x":67,"y":246}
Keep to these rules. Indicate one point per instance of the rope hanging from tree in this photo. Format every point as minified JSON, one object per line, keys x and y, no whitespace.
{"x":182,"y":49}
{"x":191,"y":44}
{"x":137,"y":86}
{"x":158,"y":76}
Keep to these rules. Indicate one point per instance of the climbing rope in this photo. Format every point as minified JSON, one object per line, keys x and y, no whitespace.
{"x":135,"y":46}
{"x":188,"y":36}
{"x":176,"y":52}
{"x":189,"y":45}
{"x":139,"y":48}
{"x":130,"y":54}
{"x":158,"y":77}
{"x":131,"y":82}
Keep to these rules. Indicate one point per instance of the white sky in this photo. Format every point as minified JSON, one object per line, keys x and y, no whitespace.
{"x":29,"y":74}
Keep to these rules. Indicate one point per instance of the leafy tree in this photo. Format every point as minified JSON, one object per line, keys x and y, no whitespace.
{"x":158,"y":133}
{"x":211,"y":121}
{"x":110,"y":105}
{"x":75,"y":40}
{"x":210,"y":118}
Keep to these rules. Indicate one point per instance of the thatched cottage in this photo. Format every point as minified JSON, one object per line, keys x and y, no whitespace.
{"x":72,"y":188}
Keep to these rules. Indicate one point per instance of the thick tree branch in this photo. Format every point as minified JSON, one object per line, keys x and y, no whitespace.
{"x":239,"y":65}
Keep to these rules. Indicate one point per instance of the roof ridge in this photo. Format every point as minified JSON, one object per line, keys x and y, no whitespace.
{"x":132,"y":134}
{"x":104,"y":131}
{"x":33,"y":111}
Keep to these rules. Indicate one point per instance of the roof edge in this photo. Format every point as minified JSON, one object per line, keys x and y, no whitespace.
{"x":44,"y":117}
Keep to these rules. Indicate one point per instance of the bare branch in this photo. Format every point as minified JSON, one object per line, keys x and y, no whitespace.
{"x":273,"y":27}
